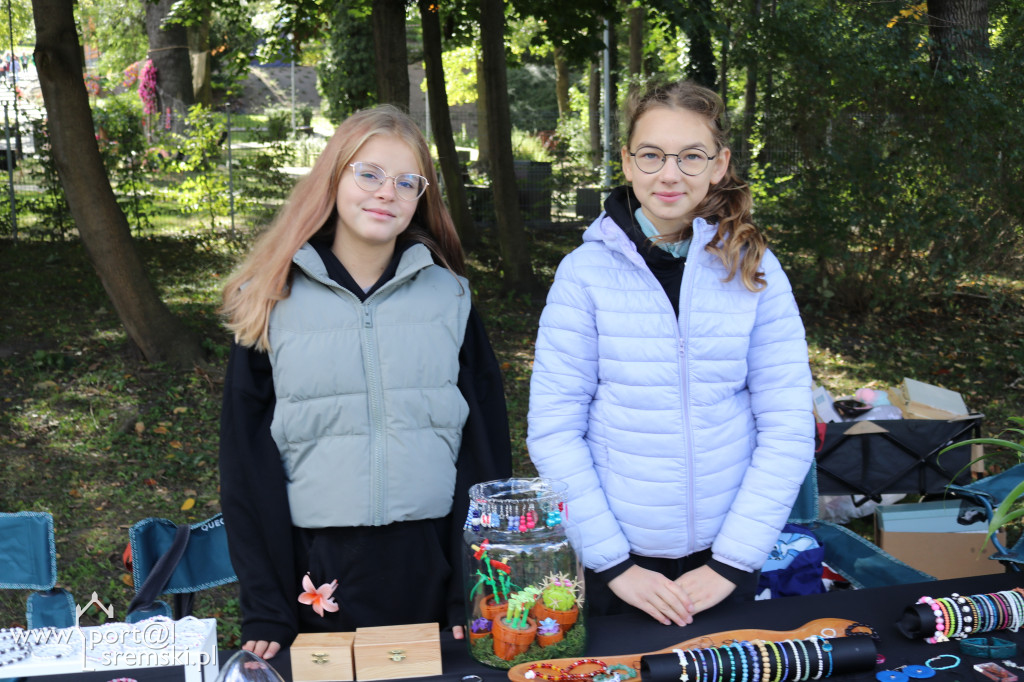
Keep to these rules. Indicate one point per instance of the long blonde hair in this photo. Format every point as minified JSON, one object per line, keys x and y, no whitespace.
{"x":739,"y":244}
{"x":263,"y":278}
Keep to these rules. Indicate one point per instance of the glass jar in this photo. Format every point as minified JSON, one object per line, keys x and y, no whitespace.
{"x":523,"y":580}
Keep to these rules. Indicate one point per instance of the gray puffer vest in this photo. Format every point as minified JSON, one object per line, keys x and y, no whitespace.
{"x":369,"y":415}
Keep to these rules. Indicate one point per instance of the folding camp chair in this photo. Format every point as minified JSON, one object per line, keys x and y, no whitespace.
{"x":868,"y":458}
{"x":860,"y":561}
{"x":178,"y":560}
{"x":979,"y":500}
{"x":28,"y":561}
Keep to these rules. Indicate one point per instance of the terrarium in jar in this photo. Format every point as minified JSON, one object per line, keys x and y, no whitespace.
{"x":524,"y":581}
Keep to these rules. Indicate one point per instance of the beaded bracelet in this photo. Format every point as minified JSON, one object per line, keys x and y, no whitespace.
{"x":826,"y":646}
{"x":716,"y":664}
{"x":821,"y":659}
{"x":703,"y":665}
{"x":773,"y":648}
{"x":732,"y":663}
{"x":796,"y":661}
{"x":807,"y":660}
{"x":683,"y":675}
{"x":785,"y":659}
{"x":755,"y":660}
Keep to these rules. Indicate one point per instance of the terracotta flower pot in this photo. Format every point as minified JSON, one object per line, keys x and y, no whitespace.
{"x":476,"y":636}
{"x":509,"y":642}
{"x":492,"y":611}
{"x":565,"y":618}
{"x":553,"y":638}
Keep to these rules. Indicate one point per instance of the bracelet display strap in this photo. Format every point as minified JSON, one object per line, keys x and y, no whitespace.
{"x":988,"y":647}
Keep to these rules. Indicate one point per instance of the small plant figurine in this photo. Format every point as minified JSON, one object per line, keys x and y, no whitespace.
{"x":560,"y":599}
{"x":549,"y":632}
{"x":497,"y":576}
{"x":514,"y":633}
{"x":479,"y":628}
{"x":519,"y":605}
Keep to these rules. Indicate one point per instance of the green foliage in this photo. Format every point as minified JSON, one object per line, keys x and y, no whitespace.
{"x":121,"y":137}
{"x":347,"y":78}
{"x":204,"y":191}
{"x":1011,"y":508}
{"x":279,"y":124}
{"x":531,"y":95}
{"x":894,"y":183}
{"x":50,"y":204}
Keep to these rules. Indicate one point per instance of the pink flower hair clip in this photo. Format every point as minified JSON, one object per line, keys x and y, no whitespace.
{"x":319,"y":598}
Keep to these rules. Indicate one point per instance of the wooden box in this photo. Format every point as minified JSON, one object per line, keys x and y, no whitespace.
{"x":395,"y":651}
{"x":322,"y":657}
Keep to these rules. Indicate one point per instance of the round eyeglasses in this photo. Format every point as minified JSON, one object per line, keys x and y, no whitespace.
{"x":370,"y":177}
{"x":690,"y":161}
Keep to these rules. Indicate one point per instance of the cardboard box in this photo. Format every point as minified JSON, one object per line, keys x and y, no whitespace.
{"x":926,"y":535}
{"x":918,"y":400}
{"x":322,"y":657}
{"x":396,"y":651}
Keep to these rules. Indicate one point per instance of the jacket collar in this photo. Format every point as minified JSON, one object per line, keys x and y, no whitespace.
{"x":606,"y":228}
{"x":411,"y":261}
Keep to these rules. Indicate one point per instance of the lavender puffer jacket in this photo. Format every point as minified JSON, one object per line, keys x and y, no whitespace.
{"x":674,"y":433}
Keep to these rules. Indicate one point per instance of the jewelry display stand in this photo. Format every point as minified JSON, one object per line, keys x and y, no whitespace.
{"x":837,"y":626}
{"x":957,"y":616}
{"x":156,"y":642}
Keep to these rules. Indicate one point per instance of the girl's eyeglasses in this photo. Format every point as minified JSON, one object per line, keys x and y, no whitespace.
{"x":370,"y":177}
{"x":690,"y":161}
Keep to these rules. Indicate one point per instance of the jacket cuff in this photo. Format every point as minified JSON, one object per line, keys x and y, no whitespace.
{"x":610,"y":574}
{"x":269,"y":632}
{"x":737,"y":576}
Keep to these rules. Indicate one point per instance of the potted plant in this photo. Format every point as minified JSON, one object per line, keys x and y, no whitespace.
{"x":514,"y":633}
{"x":1011,"y":506}
{"x":549,"y":632}
{"x":560,"y":600}
{"x":479,"y":628}
{"x":497,"y":577}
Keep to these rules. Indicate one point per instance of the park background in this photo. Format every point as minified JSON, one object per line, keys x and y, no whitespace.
{"x":881,"y":140}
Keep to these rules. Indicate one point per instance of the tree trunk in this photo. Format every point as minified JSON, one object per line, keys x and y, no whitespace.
{"x":199,"y":51}
{"x":168,"y":48}
{"x":702,"y":53}
{"x":958,"y":31}
{"x":103,"y":228}
{"x":561,"y":82}
{"x":594,"y":114}
{"x":723,"y":70}
{"x":392,"y":56}
{"x":441,"y":122}
{"x":483,"y":139}
{"x":636,"y":40}
{"x":750,"y":98}
{"x":517,"y":273}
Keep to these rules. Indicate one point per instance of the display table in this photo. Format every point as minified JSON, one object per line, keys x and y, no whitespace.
{"x":880,"y":608}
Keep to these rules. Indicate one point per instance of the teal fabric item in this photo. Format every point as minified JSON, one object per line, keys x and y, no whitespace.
{"x":863,"y":563}
{"x":28,"y":557}
{"x":205,"y":563}
{"x":51,"y":609}
{"x":159,"y":608}
{"x":677,"y":249}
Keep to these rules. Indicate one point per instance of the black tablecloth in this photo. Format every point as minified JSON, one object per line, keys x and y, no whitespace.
{"x":881,"y":608}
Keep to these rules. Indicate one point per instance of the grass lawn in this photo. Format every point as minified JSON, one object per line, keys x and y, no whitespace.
{"x":101,"y":440}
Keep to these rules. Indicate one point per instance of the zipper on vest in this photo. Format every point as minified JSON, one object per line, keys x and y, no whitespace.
{"x":374,"y":392}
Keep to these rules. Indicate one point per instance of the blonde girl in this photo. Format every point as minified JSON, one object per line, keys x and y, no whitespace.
{"x":362,"y":397}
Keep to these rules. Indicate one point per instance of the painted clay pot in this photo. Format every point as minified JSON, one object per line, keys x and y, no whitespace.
{"x":566,"y":619}
{"x":509,"y":642}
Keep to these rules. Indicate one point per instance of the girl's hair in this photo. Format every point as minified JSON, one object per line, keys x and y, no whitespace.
{"x":739,"y":244}
{"x":263,"y":279}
